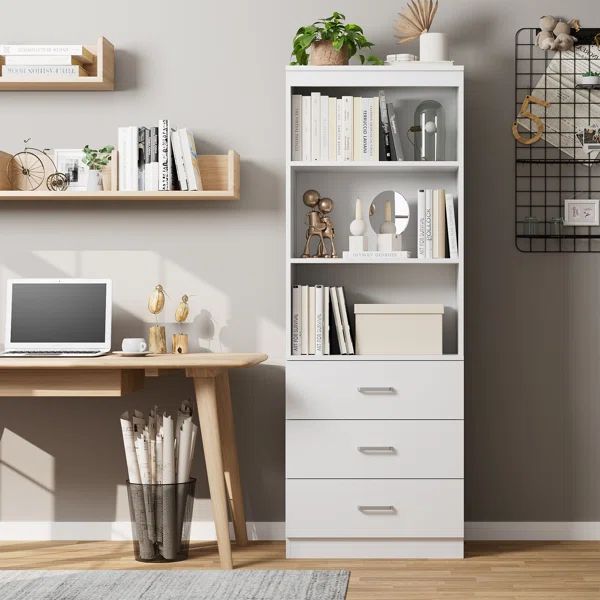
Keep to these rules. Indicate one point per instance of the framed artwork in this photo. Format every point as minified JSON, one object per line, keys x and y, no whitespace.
{"x":582,"y":212}
{"x":70,"y":162}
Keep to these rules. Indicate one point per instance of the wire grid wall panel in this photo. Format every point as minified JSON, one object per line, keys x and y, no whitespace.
{"x":555,"y":168}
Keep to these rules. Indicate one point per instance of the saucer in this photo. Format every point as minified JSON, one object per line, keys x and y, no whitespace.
{"x":122,"y":353}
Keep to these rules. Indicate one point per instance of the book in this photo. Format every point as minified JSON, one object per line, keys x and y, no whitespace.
{"x":47,"y":60}
{"x":312,"y":326}
{"x":304,"y":319}
{"x":373,"y":128}
{"x":122,"y":136}
{"x":132,"y":160}
{"x":153,"y":159}
{"x":147,"y":183}
{"x":296,"y":320}
{"x":43,"y":71}
{"x":165,"y":160}
{"x":345,"y":322}
{"x":337,"y":319}
{"x":190,"y":160}
{"x":396,"y":145}
{"x":339,"y":130}
{"x":178,"y":156}
{"x":76,"y":50}
{"x":421,"y":224}
{"x":324,"y":152}
{"x":141,"y":157}
{"x":319,"y":304}
{"x":428,"y":223}
{"x":347,"y":127}
{"x":296,"y":127}
{"x":451,"y":224}
{"x":326,"y":343}
{"x":385,"y":124}
{"x":439,"y":224}
{"x":332,"y":129}
{"x":306,"y":131}
{"x":357,"y":129}
{"x":315,"y":126}
{"x":368,"y":255}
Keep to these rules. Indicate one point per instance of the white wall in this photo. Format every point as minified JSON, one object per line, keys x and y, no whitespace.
{"x":532,"y":342}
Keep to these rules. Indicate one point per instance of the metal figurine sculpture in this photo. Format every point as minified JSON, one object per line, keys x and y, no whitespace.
{"x":180,"y":340}
{"x":319,"y":225}
{"x":157,"y":339}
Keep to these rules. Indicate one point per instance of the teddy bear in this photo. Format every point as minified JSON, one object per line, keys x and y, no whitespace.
{"x":555,"y":34}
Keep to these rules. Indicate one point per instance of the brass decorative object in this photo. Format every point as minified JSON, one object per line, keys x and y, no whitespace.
{"x":320,"y":225}
{"x":157,"y":337}
{"x":27,"y":170}
{"x":180,"y":340}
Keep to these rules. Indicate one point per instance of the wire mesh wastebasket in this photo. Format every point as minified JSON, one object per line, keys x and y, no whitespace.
{"x":161,"y":515}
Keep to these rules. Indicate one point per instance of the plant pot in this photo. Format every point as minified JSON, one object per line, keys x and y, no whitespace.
{"x":324,"y":54}
{"x":94,"y":182}
{"x":433,"y":47}
{"x":590,"y":79}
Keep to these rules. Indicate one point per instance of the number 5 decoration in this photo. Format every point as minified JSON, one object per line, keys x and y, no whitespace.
{"x":524,"y":112}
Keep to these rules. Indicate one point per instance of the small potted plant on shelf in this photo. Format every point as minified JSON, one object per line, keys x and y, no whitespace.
{"x":590,"y":78}
{"x":331,"y":41}
{"x":96,"y":161}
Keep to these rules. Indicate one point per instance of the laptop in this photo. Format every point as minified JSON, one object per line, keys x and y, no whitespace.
{"x":58,"y":317}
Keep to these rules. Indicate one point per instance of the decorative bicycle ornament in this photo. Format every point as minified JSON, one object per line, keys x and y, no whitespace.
{"x":27,"y":172}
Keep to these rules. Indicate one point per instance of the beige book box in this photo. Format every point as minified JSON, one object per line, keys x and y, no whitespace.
{"x":393,"y":329}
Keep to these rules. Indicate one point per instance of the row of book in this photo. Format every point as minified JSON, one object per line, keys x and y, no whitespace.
{"x":325,"y":128}
{"x":436,"y":225}
{"x":158,"y":158}
{"x":317,"y":312}
{"x":39,"y":61}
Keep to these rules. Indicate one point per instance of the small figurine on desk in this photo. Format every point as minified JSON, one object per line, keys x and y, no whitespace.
{"x":180,"y":340}
{"x":157,"y":336}
{"x":320,"y":225}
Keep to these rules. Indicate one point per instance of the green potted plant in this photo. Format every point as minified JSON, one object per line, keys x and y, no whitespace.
{"x":331,"y":41}
{"x":96,"y":160}
{"x":590,"y":78}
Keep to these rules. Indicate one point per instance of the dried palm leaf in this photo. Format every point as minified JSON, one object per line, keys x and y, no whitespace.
{"x":415,"y":19}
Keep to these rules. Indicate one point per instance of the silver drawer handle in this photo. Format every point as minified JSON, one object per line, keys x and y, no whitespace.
{"x":386,"y":449}
{"x":381,"y":509}
{"x":376,"y":390}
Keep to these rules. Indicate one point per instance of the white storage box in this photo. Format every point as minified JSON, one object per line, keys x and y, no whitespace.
{"x":386,"y":329}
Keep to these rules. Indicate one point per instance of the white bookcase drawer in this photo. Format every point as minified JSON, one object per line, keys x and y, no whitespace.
{"x":374,"y":390}
{"x":374,"y":449}
{"x":400,"y":508}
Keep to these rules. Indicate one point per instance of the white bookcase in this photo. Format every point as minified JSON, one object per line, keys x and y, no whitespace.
{"x":405,"y":498}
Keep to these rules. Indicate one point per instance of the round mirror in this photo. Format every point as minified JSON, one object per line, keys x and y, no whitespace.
{"x":389,"y":213}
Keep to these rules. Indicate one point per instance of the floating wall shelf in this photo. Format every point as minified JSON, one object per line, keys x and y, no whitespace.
{"x":101,"y":76}
{"x":220,"y":178}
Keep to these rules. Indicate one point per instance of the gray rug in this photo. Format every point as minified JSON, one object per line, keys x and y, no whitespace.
{"x":173,"y":585}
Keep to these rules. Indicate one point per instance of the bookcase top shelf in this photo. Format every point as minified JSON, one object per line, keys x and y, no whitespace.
{"x":376,"y":165}
{"x":220,"y":176}
{"x":101,"y":77}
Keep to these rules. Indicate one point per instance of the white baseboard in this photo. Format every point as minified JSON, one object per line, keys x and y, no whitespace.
{"x":533,"y":530}
{"x":275,"y":530}
{"x":119,"y":530}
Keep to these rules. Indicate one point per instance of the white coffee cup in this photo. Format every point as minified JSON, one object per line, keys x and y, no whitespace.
{"x":134,"y":345}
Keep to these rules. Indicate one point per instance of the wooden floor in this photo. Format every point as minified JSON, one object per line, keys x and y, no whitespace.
{"x":491,"y":570}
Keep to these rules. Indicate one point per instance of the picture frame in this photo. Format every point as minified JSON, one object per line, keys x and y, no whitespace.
{"x":70,"y":162}
{"x":582,"y":212}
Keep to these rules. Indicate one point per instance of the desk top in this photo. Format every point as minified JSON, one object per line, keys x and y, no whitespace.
{"x":224,"y":360}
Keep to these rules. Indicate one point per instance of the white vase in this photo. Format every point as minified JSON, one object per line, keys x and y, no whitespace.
{"x":590,"y":79}
{"x":94,"y":182}
{"x":433,"y":47}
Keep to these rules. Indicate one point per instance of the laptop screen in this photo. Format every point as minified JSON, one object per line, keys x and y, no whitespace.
{"x":58,"y":313}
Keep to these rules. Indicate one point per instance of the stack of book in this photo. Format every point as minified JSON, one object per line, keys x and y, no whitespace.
{"x":314,"y":308}
{"x":158,"y":158}
{"x":435,"y":220}
{"x":326,"y":128}
{"x":27,"y":62}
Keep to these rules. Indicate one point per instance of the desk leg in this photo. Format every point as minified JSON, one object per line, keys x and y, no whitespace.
{"x":206,"y":399}
{"x":230,"y":459}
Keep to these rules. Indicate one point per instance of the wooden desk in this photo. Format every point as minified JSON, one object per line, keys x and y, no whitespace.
{"x":115,"y":375}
